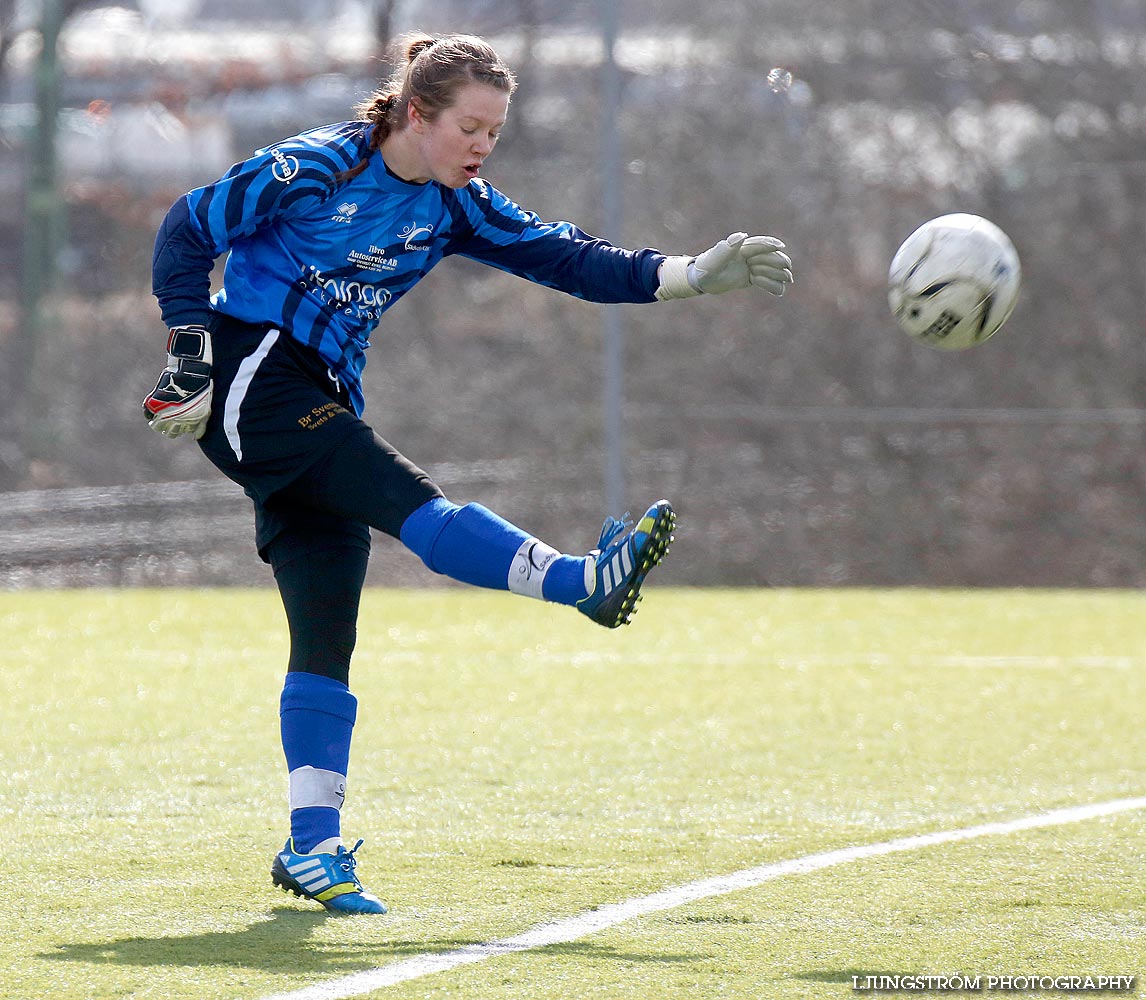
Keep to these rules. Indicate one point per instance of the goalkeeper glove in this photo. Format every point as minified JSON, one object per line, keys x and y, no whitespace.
{"x":180,"y":403}
{"x":741,"y":261}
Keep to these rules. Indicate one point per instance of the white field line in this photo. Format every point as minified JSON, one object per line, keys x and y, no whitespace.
{"x":855,"y":659}
{"x":574,"y":928}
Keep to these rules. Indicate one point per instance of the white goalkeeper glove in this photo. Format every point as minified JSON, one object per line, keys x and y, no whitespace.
{"x":741,"y":261}
{"x":180,"y":403}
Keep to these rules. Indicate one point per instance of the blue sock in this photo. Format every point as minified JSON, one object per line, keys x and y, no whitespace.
{"x":316,"y":719}
{"x":474,"y":545}
{"x":565,"y":582}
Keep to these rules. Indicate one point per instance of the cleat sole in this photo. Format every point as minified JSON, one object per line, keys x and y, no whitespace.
{"x":660,"y":538}
{"x":287,"y":884}
{"x":620,"y":607}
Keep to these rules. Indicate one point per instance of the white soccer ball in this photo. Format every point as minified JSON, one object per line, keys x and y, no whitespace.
{"x":954,"y":282}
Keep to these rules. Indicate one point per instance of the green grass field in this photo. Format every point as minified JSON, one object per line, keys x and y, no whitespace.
{"x":514,"y":765}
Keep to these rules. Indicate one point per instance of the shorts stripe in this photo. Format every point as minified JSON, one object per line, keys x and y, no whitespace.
{"x":238,"y":391}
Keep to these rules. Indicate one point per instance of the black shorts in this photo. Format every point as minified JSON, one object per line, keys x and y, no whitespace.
{"x":281,"y":427}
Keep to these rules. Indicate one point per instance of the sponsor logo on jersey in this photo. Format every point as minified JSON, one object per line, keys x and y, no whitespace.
{"x":344,"y":212}
{"x":374,"y":259}
{"x":285,"y":168}
{"x":411,"y":234}
{"x":360,"y":299}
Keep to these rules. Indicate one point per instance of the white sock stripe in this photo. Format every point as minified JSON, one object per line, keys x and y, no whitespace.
{"x":238,"y":391}
{"x":529,"y":566}
{"x":314,"y":786}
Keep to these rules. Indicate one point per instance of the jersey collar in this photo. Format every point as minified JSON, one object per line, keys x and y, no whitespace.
{"x":390,"y":181}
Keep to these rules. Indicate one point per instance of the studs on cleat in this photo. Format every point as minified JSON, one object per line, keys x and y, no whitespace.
{"x":328,"y":879}
{"x":623,"y":557}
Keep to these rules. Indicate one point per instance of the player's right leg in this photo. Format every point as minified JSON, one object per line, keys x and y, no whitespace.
{"x":319,"y":563}
{"x":277,"y":412}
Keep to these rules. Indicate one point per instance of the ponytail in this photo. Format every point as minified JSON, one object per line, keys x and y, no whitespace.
{"x":379,"y":112}
{"x":415,"y":45}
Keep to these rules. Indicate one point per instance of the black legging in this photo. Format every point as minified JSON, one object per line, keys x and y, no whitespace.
{"x":320,"y":582}
{"x":320,"y":554}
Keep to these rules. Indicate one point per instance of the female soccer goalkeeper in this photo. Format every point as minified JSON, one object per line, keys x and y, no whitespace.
{"x":325,"y":232}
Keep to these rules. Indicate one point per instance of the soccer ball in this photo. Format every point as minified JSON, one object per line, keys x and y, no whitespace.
{"x":954,"y":282}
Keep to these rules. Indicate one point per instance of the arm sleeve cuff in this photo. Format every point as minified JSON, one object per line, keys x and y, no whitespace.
{"x":674,"y":279}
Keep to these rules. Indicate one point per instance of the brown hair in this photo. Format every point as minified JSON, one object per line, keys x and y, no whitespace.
{"x":432,"y":72}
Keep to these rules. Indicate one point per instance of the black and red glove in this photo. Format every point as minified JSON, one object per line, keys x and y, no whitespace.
{"x":180,"y":403}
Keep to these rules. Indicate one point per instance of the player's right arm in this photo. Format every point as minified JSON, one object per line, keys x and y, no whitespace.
{"x":273,"y":184}
{"x":201,"y":226}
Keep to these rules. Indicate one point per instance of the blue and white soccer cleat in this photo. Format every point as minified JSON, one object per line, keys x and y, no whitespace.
{"x":624,"y":556}
{"x":328,"y":879}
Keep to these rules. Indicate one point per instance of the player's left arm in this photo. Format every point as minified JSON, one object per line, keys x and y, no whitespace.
{"x":740,"y":261}
{"x":496,"y":231}
{"x":490,"y":228}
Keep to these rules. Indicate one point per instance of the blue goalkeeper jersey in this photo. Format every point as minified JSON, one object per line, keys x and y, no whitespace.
{"x":324,"y":259}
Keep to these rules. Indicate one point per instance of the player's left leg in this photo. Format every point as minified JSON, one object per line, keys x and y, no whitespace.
{"x":475,"y":545}
{"x":320,"y":565}
{"x":365,"y":478}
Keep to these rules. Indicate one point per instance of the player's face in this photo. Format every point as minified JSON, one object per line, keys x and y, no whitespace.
{"x":455,"y":144}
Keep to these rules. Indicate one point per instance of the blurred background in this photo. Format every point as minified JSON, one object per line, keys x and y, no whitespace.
{"x":804,"y":441}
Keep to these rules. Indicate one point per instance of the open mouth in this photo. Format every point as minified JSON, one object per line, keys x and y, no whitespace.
{"x":471,"y":170}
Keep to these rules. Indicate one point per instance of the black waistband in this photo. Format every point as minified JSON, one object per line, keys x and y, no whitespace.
{"x":233,"y":339}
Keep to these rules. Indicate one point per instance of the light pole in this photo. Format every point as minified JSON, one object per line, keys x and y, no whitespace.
{"x":42,"y":214}
{"x":611,"y":206}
